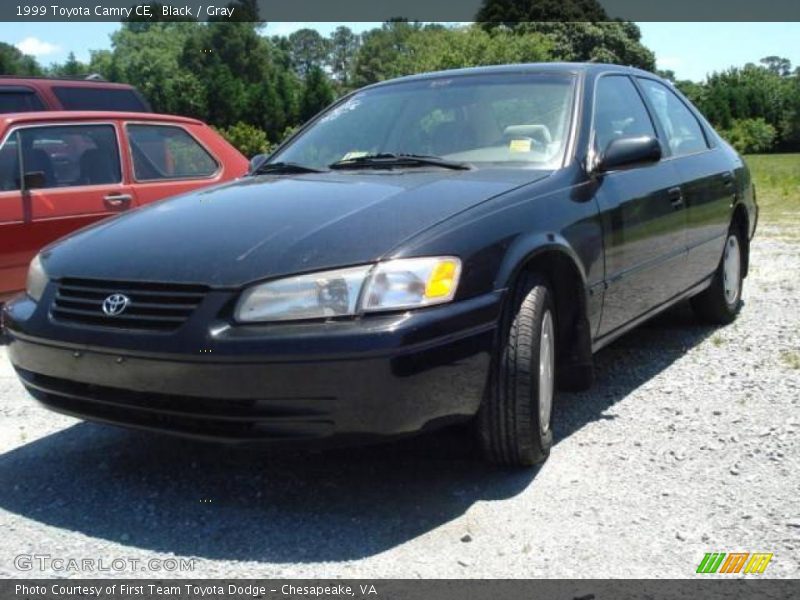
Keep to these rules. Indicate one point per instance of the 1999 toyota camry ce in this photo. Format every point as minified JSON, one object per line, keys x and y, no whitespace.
{"x":442,"y":247}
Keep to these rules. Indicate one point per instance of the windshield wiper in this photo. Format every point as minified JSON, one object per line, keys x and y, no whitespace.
{"x":284,"y":168}
{"x":390,"y":159}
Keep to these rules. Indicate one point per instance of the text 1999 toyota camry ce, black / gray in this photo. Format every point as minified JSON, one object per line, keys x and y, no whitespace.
{"x":435,"y":248}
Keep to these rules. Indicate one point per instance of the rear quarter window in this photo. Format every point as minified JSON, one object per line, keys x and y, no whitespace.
{"x":168,"y":152}
{"x":13,"y":99}
{"x":99,"y":98}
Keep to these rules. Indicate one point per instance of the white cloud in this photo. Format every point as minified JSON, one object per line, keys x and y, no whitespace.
{"x":36,"y":47}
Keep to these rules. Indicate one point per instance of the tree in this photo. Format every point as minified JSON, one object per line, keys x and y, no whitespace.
{"x":580,"y":30}
{"x":317,"y":93}
{"x":102,"y":63}
{"x":433,"y":49}
{"x":510,"y":13}
{"x":14,"y":62}
{"x":380,"y":50}
{"x":246,"y":139}
{"x":750,"y":136}
{"x":776,"y":64}
{"x":343,"y":49}
{"x":308,"y":50}
{"x":147,"y":55}
{"x":603,"y":41}
{"x":71,"y":68}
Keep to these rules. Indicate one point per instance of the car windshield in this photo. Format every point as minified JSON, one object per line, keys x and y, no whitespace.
{"x":509,"y":120}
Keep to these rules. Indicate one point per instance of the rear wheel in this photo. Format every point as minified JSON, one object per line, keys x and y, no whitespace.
{"x":721,"y":301}
{"x":514,"y":421}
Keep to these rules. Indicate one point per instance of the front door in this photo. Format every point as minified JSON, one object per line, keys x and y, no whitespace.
{"x":59,"y":178}
{"x":642,"y":211}
{"x":708,"y":185}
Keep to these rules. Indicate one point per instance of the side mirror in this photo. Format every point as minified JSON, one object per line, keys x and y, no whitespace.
{"x":33,"y":180}
{"x":256,"y":162}
{"x":629,"y":152}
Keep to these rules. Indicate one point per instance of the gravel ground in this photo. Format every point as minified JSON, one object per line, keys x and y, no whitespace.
{"x":687,"y":444}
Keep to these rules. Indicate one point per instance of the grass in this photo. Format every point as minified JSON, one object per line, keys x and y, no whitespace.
{"x":777,"y":179}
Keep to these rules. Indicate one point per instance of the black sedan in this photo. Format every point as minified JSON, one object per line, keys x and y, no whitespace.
{"x":445,"y":247}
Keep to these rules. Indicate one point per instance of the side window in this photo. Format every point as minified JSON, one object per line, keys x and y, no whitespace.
{"x":63,"y":155}
{"x":99,"y":98}
{"x":168,"y":152}
{"x":18,"y":99}
{"x":684,"y":134}
{"x":619,"y":111}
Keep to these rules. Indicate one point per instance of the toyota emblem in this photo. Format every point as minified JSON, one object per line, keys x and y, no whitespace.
{"x":115,"y":304}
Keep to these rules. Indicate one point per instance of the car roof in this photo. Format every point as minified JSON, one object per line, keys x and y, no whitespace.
{"x":91,"y":115}
{"x":40,"y":81}
{"x":551,"y":67}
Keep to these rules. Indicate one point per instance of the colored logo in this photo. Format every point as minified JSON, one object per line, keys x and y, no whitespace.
{"x":735,"y":562}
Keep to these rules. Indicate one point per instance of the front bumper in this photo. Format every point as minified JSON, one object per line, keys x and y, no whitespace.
{"x":379,"y":376}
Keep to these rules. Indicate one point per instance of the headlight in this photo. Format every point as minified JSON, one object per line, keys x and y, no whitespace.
{"x":37,"y":279}
{"x":393,"y":285}
{"x":314,"y":296}
{"x":412,"y":282}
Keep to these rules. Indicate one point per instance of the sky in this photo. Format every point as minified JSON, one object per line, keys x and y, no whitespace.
{"x":691,"y":50}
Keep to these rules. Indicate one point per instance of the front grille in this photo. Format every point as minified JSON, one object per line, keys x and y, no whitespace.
{"x":152,"y":306}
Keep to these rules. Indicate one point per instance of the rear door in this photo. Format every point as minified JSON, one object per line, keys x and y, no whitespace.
{"x":641,"y":209}
{"x":706,"y":178}
{"x":79,"y":180}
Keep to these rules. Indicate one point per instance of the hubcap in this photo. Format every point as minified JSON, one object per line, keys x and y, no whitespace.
{"x":546,"y":369}
{"x":731,"y":264}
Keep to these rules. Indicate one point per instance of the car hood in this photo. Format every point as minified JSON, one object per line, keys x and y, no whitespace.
{"x":263,"y":227}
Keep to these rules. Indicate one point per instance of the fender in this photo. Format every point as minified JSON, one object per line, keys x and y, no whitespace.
{"x":526,"y":248}
{"x":578,"y":316}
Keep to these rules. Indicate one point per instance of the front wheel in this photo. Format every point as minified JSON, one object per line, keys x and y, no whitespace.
{"x":514,"y":421}
{"x":721,"y":301}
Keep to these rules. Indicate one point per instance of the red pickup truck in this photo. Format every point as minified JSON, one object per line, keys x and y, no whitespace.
{"x":60,"y":171}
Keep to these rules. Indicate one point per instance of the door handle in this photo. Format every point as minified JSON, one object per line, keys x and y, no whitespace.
{"x":675,"y":197}
{"x":727,"y":180}
{"x":118,"y":200}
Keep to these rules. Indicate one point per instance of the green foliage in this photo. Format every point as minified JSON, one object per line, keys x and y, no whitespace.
{"x":147,"y":55}
{"x":750,"y":136}
{"x":247,"y":139}
{"x":344,"y":46}
{"x":735,"y":100}
{"x":14,"y":62}
{"x":580,"y":30}
{"x":511,"y":12}
{"x":308,"y":50}
{"x":317,"y":93}
{"x":402,"y":48}
{"x":72,"y":68}
{"x":603,"y":42}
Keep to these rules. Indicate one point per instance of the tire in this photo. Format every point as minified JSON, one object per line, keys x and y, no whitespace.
{"x":514,"y":420}
{"x":720,"y":302}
